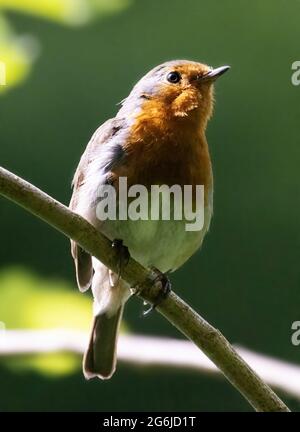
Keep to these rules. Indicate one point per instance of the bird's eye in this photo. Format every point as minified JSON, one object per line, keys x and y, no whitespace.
{"x":174,"y":77}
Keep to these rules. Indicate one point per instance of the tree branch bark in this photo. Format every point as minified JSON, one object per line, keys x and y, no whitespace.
{"x":173,"y":308}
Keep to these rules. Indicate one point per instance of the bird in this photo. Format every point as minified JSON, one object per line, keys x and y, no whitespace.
{"x":156,"y":138}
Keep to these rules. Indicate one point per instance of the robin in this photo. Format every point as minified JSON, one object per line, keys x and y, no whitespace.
{"x":156,"y":138}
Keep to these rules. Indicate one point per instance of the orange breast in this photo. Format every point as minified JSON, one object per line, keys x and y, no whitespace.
{"x":166,"y":150}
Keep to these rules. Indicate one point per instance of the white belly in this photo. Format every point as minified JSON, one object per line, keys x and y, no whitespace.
{"x":164,"y":244}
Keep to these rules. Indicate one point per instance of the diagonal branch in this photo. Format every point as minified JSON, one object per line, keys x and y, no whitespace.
{"x":179,"y":313}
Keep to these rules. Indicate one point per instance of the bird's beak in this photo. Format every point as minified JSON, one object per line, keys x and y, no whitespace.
{"x":213,"y":74}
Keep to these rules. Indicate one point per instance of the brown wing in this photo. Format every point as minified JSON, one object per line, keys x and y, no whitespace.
{"x":96,"y":147}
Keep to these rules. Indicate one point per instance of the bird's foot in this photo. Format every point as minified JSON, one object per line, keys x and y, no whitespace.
{"x":123,"y":254}
{"x":163,"y":283}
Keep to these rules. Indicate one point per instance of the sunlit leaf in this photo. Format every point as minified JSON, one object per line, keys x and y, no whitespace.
{"x":18,"y":52}
{"x":16,"y":56}
{"x":28,"y":301}
{"x":54,"y":364}
{"x":71,"y":12}
{"x":64,"y":11}
{"x":31,"y":302}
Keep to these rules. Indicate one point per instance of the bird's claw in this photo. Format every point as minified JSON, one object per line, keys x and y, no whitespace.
{"x":164,"y":290}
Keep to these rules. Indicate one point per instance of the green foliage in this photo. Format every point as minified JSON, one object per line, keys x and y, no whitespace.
{"x":28,"y":301}
{"x":18,"y":52}
{"x":245,"y":279}
{"x":71,"y":12}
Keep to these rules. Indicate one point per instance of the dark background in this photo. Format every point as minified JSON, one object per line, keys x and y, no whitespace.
{"x":246,"y":278}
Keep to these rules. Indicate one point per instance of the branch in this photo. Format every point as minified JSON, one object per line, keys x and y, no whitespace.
{"x":179,"y":313}
{"x":150,"y":352}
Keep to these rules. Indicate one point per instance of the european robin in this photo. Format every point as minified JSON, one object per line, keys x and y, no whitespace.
{"x":156,"y":138}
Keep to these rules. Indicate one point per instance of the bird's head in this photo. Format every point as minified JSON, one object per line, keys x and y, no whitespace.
{"x":178,"y":88}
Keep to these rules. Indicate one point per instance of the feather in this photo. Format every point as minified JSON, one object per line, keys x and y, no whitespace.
{"x":103,"y":152}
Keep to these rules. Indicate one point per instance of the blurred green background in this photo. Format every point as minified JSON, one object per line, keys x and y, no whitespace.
{"x":68,"y":64}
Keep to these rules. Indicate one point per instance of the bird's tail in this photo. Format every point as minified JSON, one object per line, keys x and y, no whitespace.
{"x":100,"y":357}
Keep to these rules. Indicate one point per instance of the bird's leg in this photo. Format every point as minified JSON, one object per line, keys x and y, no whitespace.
{"x":164,"y":289}
{"x":123,"y":254}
